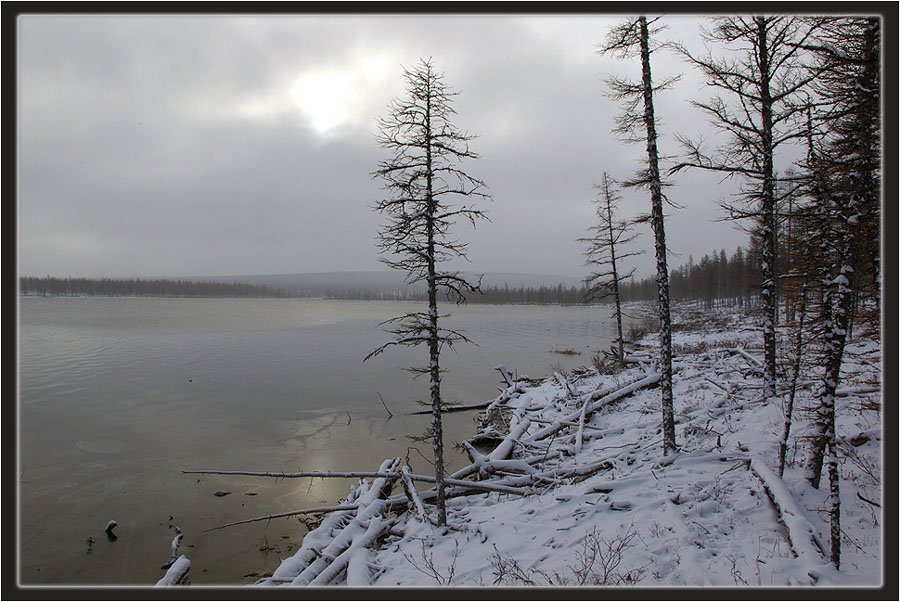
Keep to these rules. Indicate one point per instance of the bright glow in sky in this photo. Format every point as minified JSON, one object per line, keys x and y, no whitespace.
{"x":325,"y":98}
{"x":222,"y":145}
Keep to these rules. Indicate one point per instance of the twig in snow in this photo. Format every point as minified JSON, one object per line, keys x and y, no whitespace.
{"x":860,"y":496}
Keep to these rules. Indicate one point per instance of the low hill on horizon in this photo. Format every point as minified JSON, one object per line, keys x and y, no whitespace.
{"x":380,"y":281}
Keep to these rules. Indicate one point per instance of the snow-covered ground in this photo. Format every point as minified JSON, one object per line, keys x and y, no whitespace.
{"x":713,"y":514}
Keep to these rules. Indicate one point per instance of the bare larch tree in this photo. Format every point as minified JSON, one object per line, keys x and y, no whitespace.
{"x":638,"y":124}
{"x":604,"y":254}
{"x":427,"y":194}
{"x":761,"y":79}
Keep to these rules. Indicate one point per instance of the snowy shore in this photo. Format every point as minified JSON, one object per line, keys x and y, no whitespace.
{"x":618,"y":512}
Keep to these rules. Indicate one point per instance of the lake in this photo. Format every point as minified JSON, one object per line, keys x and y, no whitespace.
{"x":118,"y":395}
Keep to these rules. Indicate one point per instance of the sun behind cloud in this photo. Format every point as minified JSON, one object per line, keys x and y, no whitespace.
{"x":326,"y":98}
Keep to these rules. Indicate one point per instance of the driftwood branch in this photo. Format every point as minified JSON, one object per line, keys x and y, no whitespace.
{"x":390,"y":414}
{"x":504,"y":373}
{"x":446,"y":409}
{"x":315,"y":510}
{"x":343,"y":475}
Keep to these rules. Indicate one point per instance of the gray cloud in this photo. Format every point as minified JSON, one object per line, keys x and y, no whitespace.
{"x":187,"y":145}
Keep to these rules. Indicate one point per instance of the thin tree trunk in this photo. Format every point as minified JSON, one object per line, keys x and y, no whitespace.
{"x":834,"y":510}
{"x":662,"y":272}
{"x":434,"y":342}
{"x":615,"y":273}
{"x":769,"y":272}
{"x":789,"y":407}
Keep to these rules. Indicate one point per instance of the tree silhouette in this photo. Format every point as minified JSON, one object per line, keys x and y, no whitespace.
{"x":427,"y":194}
{"x":638,"y":124}
{"x":604,"y":255}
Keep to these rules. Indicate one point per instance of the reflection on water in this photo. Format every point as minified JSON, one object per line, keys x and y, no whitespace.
{"x":117,"y":396}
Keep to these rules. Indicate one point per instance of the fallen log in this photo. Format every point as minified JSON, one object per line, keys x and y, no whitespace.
{"x":446,"y":409}
{"x":370,"y":506}
{"x":565,"y":384}
{"x":413,"y":495}
{"x":342,"y":475}
{"x":580,"y":432}
{"x":176,"y":573}
{"x":355,"y":556}
{"x":518,"y":426}
{"x":755,"y":361}
{"x":485,"y":465}
{"x":315,"y":540}
{"x":802,"y":536}
{"x":504,"y":373}
{"x":860,"y":390}
{"x":595,"y":401}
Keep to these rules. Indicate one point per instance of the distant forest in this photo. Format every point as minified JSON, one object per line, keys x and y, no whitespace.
{"x":714,"y":280}
{"x":133,"y":287}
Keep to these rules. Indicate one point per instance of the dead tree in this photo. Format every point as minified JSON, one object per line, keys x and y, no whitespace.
{"x":427,"y":194}
{"x":638,"y":124}
{"x":604,"y":254}
{"x":761,"y":79}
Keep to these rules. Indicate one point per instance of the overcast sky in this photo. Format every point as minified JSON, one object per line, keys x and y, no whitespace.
{"x":221,"y":145}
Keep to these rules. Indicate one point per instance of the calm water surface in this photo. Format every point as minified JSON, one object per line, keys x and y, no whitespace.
{"x":118,"y":395}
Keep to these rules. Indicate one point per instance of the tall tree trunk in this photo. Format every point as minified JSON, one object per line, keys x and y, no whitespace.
{"x":662,"y":272}
{"x":769,"y":273}
{"x":434,"y":342}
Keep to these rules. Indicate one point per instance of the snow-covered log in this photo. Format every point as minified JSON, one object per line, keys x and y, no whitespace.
{"x":517,"y":388}
{"x":176,"y":542}
{"x":315,"y":540}
{"x":355,"y":556}
{"x":371,"y":505}
{"x":504,"y":372}
{"x":595,"y":401}
{"x":485,"y":486}
{"x":804,"y":540}
{"x":860,"y":390}
{"x":413,"y":495}
{"x":565,"y":384}
{"x":176,"y":572}
{"x":380,"y":474}
{"x":755,"y":361}
{"x":485,"y":465}
{"x":517,"y":427}
{"x":580,"y":432}
{"x":358,"y":530}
